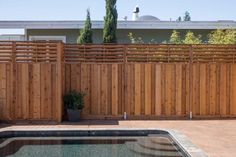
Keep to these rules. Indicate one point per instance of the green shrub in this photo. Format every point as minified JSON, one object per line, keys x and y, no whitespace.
{"x":74,"y":100}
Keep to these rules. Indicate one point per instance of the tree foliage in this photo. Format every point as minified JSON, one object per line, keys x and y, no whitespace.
{"x":175,"y":38}
{"x":187,"y":16}
{"x":135,"y":40}
{"x":86,"y":34}
{"x":110,"y":22}
{"x":191,"y":38}
{"x":222,"y":37}
{"x":179,"y":19}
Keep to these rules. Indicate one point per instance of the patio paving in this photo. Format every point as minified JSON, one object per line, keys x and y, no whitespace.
{"x":216,"y":137}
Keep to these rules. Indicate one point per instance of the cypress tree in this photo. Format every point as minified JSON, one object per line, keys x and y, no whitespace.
{"x":187,"y":16}
{"x":110,"y":22}
{"x":86,"y":34}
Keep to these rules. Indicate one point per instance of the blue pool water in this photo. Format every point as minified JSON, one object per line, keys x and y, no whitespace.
{"x":141,"y":146}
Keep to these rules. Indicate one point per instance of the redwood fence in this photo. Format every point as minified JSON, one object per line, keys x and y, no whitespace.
{"x":145,"y":81}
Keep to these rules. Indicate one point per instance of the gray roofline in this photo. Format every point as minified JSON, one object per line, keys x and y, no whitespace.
{"x":121,"y":25}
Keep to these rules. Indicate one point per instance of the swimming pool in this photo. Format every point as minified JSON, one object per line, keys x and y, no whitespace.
{"x":96,"y":143}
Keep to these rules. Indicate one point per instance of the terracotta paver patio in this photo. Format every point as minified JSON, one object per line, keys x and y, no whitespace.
{"x":216,"y":137}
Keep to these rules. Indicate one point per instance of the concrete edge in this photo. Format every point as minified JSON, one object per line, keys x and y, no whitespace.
{"x":189,"y":148}
{"x":186,"y":145}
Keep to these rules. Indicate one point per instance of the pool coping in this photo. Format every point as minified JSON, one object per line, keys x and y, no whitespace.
{"x":187,"y":146}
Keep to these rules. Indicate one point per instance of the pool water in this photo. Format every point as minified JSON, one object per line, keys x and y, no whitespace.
{"x":141,"y":146}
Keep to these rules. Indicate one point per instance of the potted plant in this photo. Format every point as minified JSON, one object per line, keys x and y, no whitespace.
{"x":74,"y":103}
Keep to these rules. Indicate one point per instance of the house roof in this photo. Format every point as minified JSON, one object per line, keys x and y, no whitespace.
{"x":121,"y":25}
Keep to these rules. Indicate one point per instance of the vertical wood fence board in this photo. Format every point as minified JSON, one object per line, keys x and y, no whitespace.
{"x":36,"y":91}
{"x":187,"y":90}
{"x":43,"y":88}
{"x":233,"y":90}
{"x":8,"y":86}
{"x":85,"y":86}
{"x":203,"y":95}
{"x":148,"y":94}
{"x":142,"y":89}
{"x":213,"y":89}
{"x":25,"y":91}
{"x":228,"y":91}
{"x":163,"y":90}
{"x":223,"y":87}
{"x":53,"y":91}
{"x":153,"y":85}
{"x":208,"y":89}
{"x":184,"y":90}
{"x":104,"y":92}
{"x":73,"y":79}
{"x":218,"y":89}
{"x":18,"y":100}
{"x":178,"y":90}
{"x":46,"y":95}
{"x":109,"y":89}
{"x":31,"y":92}
{"x":2,"y":104}
{"x":132,"y":90}
{"x":95,"y":89}
{"x":3,"y":91}
{"x":115,"y":87}
{"x":195,"y":91}
{"x":67,"y":78}
{"x":168,"y":89}
{"x":158,"y":90}
{"x":137,"y":90}
{"x":173,"y":90}
{"x":121,"y":80}
{"x":128,"y":88}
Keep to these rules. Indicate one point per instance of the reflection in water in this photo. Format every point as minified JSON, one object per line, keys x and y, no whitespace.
{"x":114,"y":147}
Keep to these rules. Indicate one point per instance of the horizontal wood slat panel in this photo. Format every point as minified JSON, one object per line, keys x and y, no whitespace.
{"x":28,"y":51}
{"x":150,"y":53}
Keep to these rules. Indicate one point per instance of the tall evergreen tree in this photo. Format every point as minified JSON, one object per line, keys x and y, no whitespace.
{"x":110,"y":22}
{"x":86,"y":34}
{"x":187,"y":16}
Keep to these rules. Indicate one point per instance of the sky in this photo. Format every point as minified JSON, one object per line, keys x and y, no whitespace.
{"x":200,"y":10}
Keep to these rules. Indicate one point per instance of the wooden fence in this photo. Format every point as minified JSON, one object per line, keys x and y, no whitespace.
{"x":30,"y":81}
{"x":145,"y":81}
{"x":153,"y":81}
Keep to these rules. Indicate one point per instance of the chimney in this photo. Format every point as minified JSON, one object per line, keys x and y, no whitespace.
{"x":135,"y":13}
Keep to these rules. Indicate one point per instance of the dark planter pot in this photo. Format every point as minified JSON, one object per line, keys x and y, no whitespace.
{"x":73,"y":115}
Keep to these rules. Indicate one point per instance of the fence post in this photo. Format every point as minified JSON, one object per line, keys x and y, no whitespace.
{"x":124,"y":86}
{"x":59,"y":79}
{"x":13,"y":81}
{"x":190,"y":81}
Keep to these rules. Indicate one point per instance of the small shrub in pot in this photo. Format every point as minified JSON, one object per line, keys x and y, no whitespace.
{"x":74,"y":103}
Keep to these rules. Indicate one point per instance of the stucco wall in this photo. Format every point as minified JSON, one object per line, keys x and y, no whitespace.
{"x":122,"y":35}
